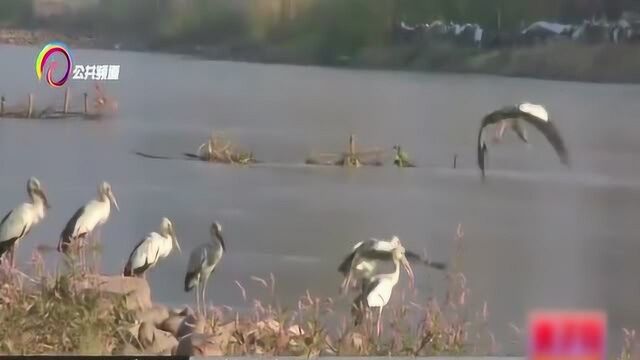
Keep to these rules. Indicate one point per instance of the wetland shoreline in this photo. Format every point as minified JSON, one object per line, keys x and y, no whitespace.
{"x":559,"y":60}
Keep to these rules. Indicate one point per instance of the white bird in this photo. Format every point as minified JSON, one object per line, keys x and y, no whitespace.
{"x":87,"y":218}
{"x":202,"y":263}
{"x":366,"y":257}
{"x":378,"y":289}
{"x":155,"y":246}
{"x":511,"y":117}
{"x":16,"y":224}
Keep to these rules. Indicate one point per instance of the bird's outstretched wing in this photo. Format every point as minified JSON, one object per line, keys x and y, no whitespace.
{"x":549,"y":130}
{"x":415,"y":258}
{"x":535,"y":115}
{"x":345,"y":265}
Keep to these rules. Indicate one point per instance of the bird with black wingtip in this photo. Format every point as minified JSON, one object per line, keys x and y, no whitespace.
{"x":512,"y":118}
{"x":17,"y":223}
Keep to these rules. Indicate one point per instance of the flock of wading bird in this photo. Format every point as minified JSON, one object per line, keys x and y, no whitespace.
{"x":360,"y":265}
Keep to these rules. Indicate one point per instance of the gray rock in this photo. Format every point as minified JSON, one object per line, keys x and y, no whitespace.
{"x":156,"y":315}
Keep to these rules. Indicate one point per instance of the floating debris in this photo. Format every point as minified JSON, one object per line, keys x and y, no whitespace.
{"x":401,"y":158}
{"x":219,"y":149}
{"x":351,"y":158}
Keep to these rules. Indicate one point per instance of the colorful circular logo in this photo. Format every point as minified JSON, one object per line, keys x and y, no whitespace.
{"x":45,"y":54}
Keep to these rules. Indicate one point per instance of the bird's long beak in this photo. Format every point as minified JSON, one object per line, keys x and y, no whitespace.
{"x":408,"y":269}
{"x":175,"y":240}
{"x":113,"y":200}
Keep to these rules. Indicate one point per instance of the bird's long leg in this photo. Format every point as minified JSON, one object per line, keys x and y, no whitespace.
{"x":77,"y":244}
{"x":198,"y":298}
{"x":13,"y":255}
{"x":379,"y":324}
{"x":84,"y":243}
{"x":98,"y":237}
{"x":93,"y":248}
{"x":204,"y":297}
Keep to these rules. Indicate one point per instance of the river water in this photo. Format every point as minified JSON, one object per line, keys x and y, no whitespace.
{"x":536,"y":234}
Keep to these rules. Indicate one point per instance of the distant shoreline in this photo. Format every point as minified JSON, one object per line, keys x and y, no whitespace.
{"x":561,"y":60}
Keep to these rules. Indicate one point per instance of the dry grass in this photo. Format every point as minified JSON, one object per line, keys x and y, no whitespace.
{"x":630,"y":344}
{"x":350,"y":158}
{"x":411,"y":328}
{"x":220,"y":150}
{"x":49,"y":315}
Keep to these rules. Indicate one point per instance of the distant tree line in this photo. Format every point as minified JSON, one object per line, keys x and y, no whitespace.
{"x":323,"y":27}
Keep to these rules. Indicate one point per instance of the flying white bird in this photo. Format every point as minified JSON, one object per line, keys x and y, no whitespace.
{"x":155,"y":246}
{"x":378,"y":289}
{"x":88,"y":218}
{"x":365,"y":259}
{"x":511,"y":117}
{"x":16,"y":224}
{"x":202,"y":263}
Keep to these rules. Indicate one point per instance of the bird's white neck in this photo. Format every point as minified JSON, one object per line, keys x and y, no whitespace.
{"x":104,"y":198}
{"x":395,"y":275}
{"x":36,"y":199}
{"x":168,"y":240}
{"x":38,"y":205}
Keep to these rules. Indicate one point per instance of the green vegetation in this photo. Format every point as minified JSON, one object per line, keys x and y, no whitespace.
{"x":15,"y":12}
{"x":357,"y":33}
{"x":328,"y":29}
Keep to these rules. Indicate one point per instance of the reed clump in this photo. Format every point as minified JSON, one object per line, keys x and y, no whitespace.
{"x":219,"y":149}
{"x":350,"y":158}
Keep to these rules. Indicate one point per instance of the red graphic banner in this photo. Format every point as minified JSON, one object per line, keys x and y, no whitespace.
{"x":567,"y":335}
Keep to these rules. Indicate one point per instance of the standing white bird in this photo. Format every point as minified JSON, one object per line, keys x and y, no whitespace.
{"x":16,"y":224}
{"x":87,"y":218}
{"x":377,"y":291}
{"x":202,"y":263}
{"x":365,"y":259}
{"x":511,"y":117}
{"x":155,"y":246}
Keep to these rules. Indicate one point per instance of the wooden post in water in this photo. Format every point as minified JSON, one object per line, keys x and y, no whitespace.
{"x":455,"y":160}
{"x":2,"y":106}
{"x":30,"y":111}
{"x":66,"y":100}
{"x":86,"y":103}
